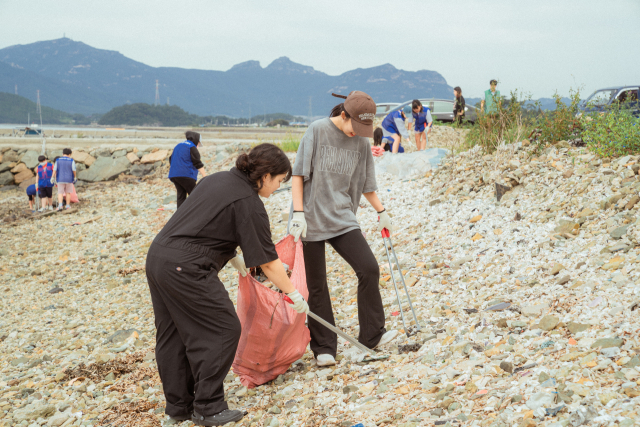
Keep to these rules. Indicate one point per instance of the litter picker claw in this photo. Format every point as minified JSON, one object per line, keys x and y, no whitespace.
{"x":386,"y":238}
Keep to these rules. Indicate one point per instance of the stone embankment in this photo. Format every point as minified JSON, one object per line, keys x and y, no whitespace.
{"x":528,"y":306}
{"x":18,"y":166}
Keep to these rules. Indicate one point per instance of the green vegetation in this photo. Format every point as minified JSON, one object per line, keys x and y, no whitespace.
{"x":16,"y":109}
{"x":141,"y":114}
{"x":149,"y":115}
{"x":615,"y":132}
{"x":289,"y":144}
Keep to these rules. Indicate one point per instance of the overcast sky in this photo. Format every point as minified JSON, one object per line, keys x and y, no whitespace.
{"x":537,"y":46}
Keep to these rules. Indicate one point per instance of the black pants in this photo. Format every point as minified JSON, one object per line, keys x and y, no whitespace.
{"x":184,"y":186}
{"x":197,"y":330}
{"x":353,"y":247}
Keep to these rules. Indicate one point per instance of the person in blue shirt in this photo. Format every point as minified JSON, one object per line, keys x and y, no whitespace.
{"x":394,"y":129}
{"x":421,"y":120}
{"x":31,"y":193}
{"x":386,"y":142}
{"x":44,"y":186}
{"x":185,"y":164}
{"x":65,"y":175}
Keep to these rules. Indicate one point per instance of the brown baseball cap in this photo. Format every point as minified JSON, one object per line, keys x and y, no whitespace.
{"x":362,"y":110}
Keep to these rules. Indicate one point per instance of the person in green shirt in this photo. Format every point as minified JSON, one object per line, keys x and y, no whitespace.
{"x":491,"y":98}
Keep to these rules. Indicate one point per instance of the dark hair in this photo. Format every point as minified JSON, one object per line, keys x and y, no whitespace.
{"x":416,"y":104}
{"x":41,"y":158}
{"x":338,"y":110}
{"x":377,"y":137}
{"x":457,"y":89}
{"x":261,"y":160}
{"x":493,"y":81}
{"x":192,"y":136}
{"x":66,"y":151}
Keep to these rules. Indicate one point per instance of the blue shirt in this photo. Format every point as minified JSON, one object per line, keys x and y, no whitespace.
{"x":421,"y":119}
{"x":181,"y":163}
{"x":45,"y":173}
{"x":394,"y":124}
{"x":31,"y":190}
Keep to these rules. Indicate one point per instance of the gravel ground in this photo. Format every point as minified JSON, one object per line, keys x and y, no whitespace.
{"x":527,"y":306}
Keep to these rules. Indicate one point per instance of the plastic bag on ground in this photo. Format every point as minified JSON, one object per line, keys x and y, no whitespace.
{"x":410,"y":165}
{"x":73,"y":196}
{"x":273,"y":335}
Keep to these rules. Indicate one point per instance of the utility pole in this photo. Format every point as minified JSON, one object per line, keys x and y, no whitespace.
{"x":310,"y":111}
{"x":16,"y":88}
{"x":168,"y":101}
{"x":39,"y":107}
{"x":157,"y":94}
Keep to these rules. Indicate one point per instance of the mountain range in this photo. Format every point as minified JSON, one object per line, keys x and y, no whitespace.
{"x":78,"y":78}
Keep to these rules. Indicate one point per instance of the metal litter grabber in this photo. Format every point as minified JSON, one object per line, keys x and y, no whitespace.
{"x":386,"y":238}
{"x":335,"y":330}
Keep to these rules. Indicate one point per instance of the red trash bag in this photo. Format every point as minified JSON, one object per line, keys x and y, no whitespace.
{"x":73,"y":196}
{"x":273,"y":335}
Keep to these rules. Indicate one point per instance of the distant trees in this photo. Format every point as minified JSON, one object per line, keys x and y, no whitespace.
{"x":150,"y":115}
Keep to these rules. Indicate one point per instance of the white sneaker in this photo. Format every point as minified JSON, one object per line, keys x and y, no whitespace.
{"x":50,"y":207}
{"x":387,"y":338}
{"x":325,"y":360}
{"x":41,"y":209}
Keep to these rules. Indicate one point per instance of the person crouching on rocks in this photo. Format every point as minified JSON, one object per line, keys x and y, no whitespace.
{"x":333,"y":169}
{"x":197,"y":326}
{"x":184,"y":165}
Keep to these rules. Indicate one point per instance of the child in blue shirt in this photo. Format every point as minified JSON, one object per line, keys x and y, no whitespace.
{"x":386,"y":142}
{"x":31,"y":193}
{"x":421,"y":120}
{"x":44,"y":184}
{"x":393,"y":129}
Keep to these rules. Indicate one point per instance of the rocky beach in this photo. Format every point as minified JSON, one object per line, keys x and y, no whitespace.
{"x":528,"y":302}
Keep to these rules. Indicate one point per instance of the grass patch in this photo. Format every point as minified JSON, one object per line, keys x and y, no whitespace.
{"x":289,"y":144}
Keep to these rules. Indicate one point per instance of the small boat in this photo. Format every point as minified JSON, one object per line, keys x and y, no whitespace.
{"x":28,"y":131}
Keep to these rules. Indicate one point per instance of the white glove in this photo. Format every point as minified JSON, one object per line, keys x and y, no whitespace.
{"x":299,"y":304}
{"x":238,"y":264}
{"x":53,"y":180}
{"x":385,"y":221}
{"x":298,"y":226}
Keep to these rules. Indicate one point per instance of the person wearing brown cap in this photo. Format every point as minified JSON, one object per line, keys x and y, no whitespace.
{"x":333,"y":169}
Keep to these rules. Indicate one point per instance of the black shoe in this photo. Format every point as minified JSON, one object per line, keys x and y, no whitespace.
{"x":219,"y":419}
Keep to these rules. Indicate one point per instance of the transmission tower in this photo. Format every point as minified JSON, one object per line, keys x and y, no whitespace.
{"x":310,"y":111}
{"x":157,"y":93}
{"x":38,"y":107}
{"x":168,"y":103}
{"x":16,"y":89}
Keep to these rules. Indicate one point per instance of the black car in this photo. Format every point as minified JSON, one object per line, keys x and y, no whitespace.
{"x":441,"y":110}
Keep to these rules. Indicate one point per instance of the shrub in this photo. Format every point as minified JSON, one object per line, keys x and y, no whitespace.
{"x":508,"y":125}
{"x":559,"y":124}
{"x":281,"y":122}
{"x":613,"y":132}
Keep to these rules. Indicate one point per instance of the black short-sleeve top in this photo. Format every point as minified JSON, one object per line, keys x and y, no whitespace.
{"x":222,"y":213}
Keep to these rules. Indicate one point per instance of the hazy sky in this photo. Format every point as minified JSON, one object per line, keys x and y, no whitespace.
{"x":537,"y":46}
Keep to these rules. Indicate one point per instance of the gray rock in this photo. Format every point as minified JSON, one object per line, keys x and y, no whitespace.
{"x":435,"y":202}
{"x":33,"y":411}
{"x":507,"y":367}
{"x":30,"y":159}
{"x":6,"y":178}
{"x":122,"y":336}
{"x":105,"y":169}
{"x":349,"y":389}
{"x":103,"y":152}
{"x":564,"y":280}
{"x":607,"y":342}
{"x":549,"y":322}
{"x":275,"y":410}
{"x":634,"y":362}
{"x":575,"y":327}
{"x":10,"y":156}
{"x":141,"y":170}
{"x":119,"y":153}
{"x":19,"y":360}
{"x":619,"y":232}
{"x":5,"y":166}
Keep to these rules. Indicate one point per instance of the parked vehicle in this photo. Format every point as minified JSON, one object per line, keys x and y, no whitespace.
{"x":441,"y":110}
{"x":602,"y":99}
{"x":384,"y":108}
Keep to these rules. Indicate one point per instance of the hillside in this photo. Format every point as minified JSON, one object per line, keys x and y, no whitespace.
{"x":80,"y":78}
{"x":145,"y":114}
{"x":16,"y":109}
